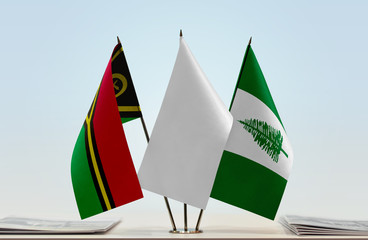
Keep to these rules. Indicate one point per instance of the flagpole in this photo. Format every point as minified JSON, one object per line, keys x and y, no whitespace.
{"x":147,"y":138}
{"x":185,"y":218}
{"x":242,"y":67}
{"x":185,"y":205}
{"x":170,"y":213}
{"x":165,"y":198}
{"x":144,"y":128}
{"x":199,"y":220}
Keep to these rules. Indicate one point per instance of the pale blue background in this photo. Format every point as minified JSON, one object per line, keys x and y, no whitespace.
{"x":313,"y":55}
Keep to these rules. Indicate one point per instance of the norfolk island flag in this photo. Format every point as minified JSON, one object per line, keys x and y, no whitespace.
{"x":102,"y":169}
{"x":256,"y":163}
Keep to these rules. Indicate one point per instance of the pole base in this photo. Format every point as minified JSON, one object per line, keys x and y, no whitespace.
{"x":182,"y":231}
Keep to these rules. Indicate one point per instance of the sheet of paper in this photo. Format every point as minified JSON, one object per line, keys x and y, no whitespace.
{"x":34,"y":225}
{"x":301,"y":225}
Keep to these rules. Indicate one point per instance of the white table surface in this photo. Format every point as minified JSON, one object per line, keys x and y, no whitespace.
{"x":219,"y":226}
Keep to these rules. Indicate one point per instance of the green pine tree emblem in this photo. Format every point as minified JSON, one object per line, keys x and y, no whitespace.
{"x":267,"y":137}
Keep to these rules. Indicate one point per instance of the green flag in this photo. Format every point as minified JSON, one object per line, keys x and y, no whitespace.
{"x":256,"y":163}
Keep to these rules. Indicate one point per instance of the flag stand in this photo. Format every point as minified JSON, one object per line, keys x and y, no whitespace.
{"x":186,"y":230}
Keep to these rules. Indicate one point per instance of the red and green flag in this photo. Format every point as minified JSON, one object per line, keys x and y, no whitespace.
{"x":102,"y":170}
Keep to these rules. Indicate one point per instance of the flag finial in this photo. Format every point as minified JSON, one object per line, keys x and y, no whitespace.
{"x":250,"y":41}
{"x":118,"y":39}
{"x":181,"y":33}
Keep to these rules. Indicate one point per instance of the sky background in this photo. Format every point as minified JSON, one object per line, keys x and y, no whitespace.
{"x":313,"y":55}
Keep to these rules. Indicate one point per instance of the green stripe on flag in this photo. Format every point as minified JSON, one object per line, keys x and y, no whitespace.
{"x":84,"y":188}
{"x":248,"y":185}
{"x":127,"y":119}
{"x":251,"y":80}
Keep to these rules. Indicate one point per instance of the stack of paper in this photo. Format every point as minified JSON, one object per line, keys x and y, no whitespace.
{"x":322,"y":226}
{"x":42,"y":226}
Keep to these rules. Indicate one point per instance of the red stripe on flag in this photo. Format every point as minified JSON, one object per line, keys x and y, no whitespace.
{"x":112,"y":145}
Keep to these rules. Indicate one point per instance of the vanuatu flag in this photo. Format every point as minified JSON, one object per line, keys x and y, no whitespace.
{"x":102,"y":170}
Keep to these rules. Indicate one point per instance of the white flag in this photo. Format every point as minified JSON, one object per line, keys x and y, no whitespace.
{"x":188,"y":138}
